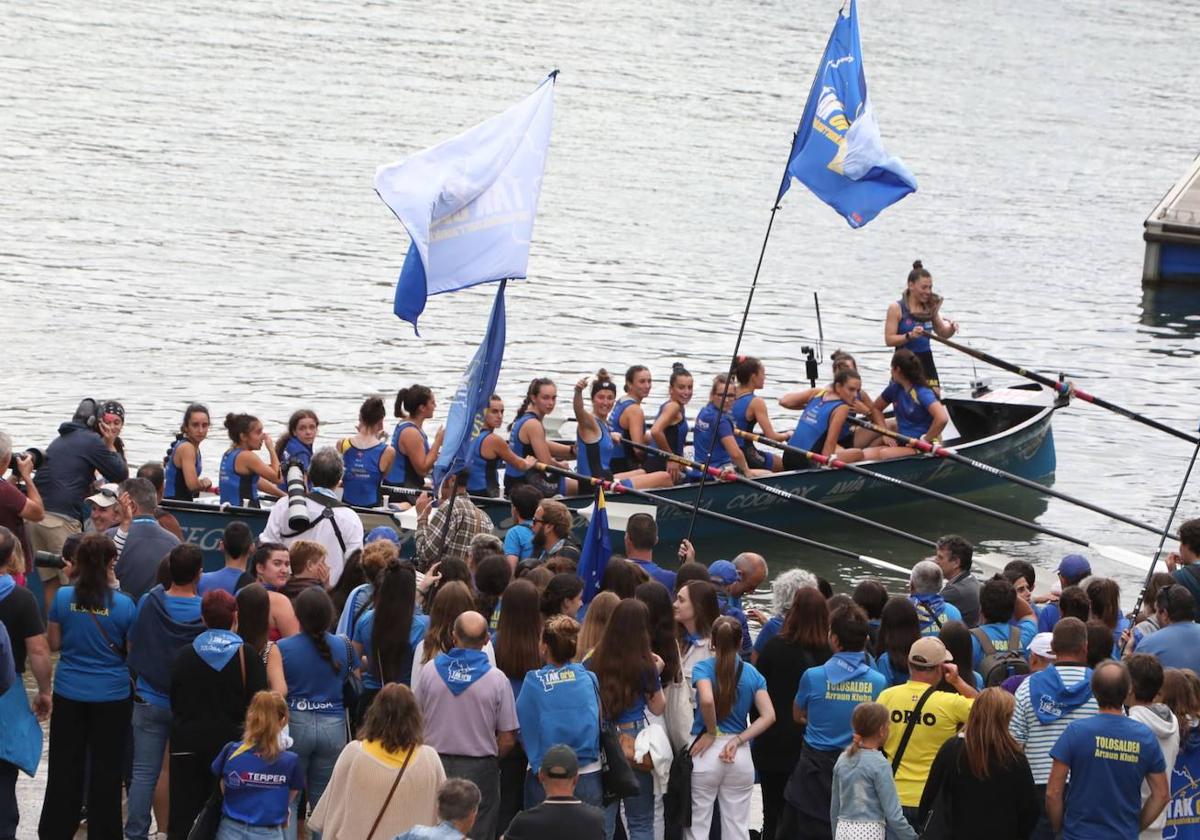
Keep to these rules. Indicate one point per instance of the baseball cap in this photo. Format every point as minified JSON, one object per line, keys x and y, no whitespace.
{"x":1074,"y":567}
{"x":560,"y":762}
{"x":1041,"y":645}
{"x":106,"y":496}
{"x":928,"y":652}
{"x":382,"y":532}
{"x":723,"y":572}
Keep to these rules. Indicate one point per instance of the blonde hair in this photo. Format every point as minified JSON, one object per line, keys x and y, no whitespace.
{"x":986,"y":738}
{"x":599,"y":611}
{"x":866,"y":720}
{"x":305,"y":553}
{"x":265,"y":719}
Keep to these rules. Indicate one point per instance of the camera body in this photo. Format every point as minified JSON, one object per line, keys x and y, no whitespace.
{"x":37,"y":455}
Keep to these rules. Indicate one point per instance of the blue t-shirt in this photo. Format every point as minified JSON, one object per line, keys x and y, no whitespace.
{"x":89,"y":670}
{"x":313,"y":685}
{"x":657,"y":573}
{"x":998,"y":634}
{"x":224,"y":578}
{"x":256,"y":791}
{"x":519,"y":541}
{"x":1176,"y":645}
{"x":706,"y":436}
{"x":911,"y":407}
{"x":1108,"y":755}
{"x":830,"y":706}
{"x":186,"y":610}
{"x":750,"y":682}
{"x":931,"y":623}
{"x":1048,"y":616}
{"x":894,"y":677}
{"x":768,"y":632}
{"x":362,"y":635}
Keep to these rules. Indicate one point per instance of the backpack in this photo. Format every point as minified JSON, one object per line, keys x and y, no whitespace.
{"x":999,"y":665}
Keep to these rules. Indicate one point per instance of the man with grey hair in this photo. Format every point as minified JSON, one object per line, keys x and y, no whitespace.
{"x":17,"y":508}
{"x":783,"y":593}
{"x":457,"y":808}
{"x":925,"y":586}
{"x":331,"y":523}
{"x":141,"y":542}
{"x":483,"y":545}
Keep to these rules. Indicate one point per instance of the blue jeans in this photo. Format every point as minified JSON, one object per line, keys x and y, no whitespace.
{"x":234,"y":830}
{"x":319,"y":740}
{"x":639,"y":811}
{"x":588,"y":789}
{"x":151,"y":730}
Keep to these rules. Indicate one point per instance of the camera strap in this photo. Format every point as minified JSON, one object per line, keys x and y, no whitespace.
{"x":327,"y":506}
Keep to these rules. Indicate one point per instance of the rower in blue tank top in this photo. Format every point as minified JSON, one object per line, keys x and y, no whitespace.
{"x":670,"y":429}
{"x":415,"y":456}
{"x":628,"y":419}
{"x":624,"y":459}
{"x":749,"y":410}
{"x":919,"y":412}
{"x":367,"y":457}
{"x":182,"y":466}
{"x":241,"y":468}
{"x":820,"y":426}
{"x":913,"y":317}
{"x":594,"y":438}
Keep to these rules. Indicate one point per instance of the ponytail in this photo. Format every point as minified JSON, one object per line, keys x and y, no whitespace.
{"x":866,"y":720}
{"x":918,"y":272}
{"x":409,"y":399}
{"x":531,"y":392}
{"x":314,"y":611}
{"x":910,"y":367}
{"x":727,"y":640}
{"x":238,"y":425}
{"x":745,"y":369}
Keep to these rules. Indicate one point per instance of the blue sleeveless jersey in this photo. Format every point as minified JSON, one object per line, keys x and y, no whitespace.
{"x":295,"y":450}
{"x":595,"y":459}
{"x":676,"y":436}
{"x":813,"y":425}
{"x":483,"y":478}
{"x":360,"y":484}
{"x":912,"y":408}
{"x":234,"y":487}
{"x":514,"y":443}
{"x":626,"y":456}
{"x":706,"y":437}
{"x":174,"y":487}
{"x":402,"y":472}
{"x":907,"y":324}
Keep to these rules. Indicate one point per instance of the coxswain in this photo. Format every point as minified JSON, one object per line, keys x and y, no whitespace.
{"x":487,"y":450}
{"x":820,"y":426}
{"x":367,"y":456}
{"x":709,"y":436}
{"x":750,"y":409}
{"x":182,"y":466}
{"x":415,"y":456}
{"x":629,"y":419}
{"x":243,"y":475}
{"x":670,"y":428}
{"x":919,"y":412}
{"x":527,"y":436}
{"x":596,"y":441}
{"x":914,"y":316}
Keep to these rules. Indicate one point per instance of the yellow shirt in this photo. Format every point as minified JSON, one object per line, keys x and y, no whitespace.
{"x":392,"y":759}
{"x":941,"y":716}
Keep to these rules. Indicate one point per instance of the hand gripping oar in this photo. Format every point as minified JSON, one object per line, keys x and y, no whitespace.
{"x":943,"y":452}
{"x":1063,"y":388}
{"x":726,"y":475}
{"x":614,"y":487}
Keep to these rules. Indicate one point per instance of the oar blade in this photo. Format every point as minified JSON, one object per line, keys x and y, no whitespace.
{"x":884,"y":564}
{"x":1122,"y":555}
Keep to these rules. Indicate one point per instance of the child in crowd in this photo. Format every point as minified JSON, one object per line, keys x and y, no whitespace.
{"x":518,"y":541}
{"x":865,"y":805}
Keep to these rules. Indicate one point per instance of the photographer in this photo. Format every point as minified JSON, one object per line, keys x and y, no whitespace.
{"x":16,"y":508}
{"x":86,"y":444}
{"x":331,"y":523}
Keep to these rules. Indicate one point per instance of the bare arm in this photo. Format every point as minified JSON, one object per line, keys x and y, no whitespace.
{"x":656,"y":702}
{"x":589,"y":429}
{"x":836,"y":421}
{"x":735,"y":453}
{"x":33,"y":511}
{"x":1160,"y":794}
{"x":797,"y":400}
{"x":184,"y":459}
{"x":54,"y":635}
{"x":667,"y":417}
{"x":943,"y":326}
{"x":1054,"y":795}
{"x":758,"y":411}
{"x":497,"y":447}
{"x":275,"y":678}
{"x":799,"y":715}
{"x":940,"y":418}
{"x":544,"y":450}
{"x":892,"y":336}
{"x":708,"y":713}
{"x":633,"y":421}
{"x":284,"y":616}
{"x":505,"y":741}
{"x":37,"y":648}
{"x":253,"y":465}
{"x":413,"y":447}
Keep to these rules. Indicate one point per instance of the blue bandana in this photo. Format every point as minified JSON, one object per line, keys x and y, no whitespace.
{"x":7,"y":585}
{"x":461,"y":668}
{"x":933,"y":604}
{"x":842,"y":667}
{"x":217,"y":647}
{"x":1052,"y":700}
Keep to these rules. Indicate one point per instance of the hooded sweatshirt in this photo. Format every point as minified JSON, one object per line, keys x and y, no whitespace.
{"x":72,"y":461}
{"x":1166,"y":729}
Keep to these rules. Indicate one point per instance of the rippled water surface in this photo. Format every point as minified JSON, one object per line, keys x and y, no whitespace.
{"x":188,"y":212}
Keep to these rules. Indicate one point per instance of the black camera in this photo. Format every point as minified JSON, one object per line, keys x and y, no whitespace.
{"x":35,"y":454}
{"x":48,"y":560}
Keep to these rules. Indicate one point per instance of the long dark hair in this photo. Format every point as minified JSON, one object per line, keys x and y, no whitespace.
{"x":562,"y":587}
{"x":663,"y":640}
{"x":899,"y":627}
{"x":293,"y":424}
{"x":531,"y":392}
{"x":92,"y":557}
{"x":622,"y":659}
{"x":807,"y":622}
{"x":254,"y":615}
{"x":957,"y":639}
{"x":703,"y":596}
{"x":492,"y":576}
{"x":450,"y":570}
{"x":314,"y":611}
{"x":910,"y":367}
{"x":452,"y":600}
{"x":395,"y":603}
{"x":409,"y":399}
{"x":727,"y":641}
{"x":519,"y":631}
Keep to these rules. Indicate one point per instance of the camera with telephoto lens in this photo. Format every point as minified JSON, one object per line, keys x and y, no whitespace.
{"x":35,"y":454}
{"x":297,"y":488}
{"x":48,"y":560}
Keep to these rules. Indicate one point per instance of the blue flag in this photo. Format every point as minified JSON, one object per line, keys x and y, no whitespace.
{"x":469,"y":203}
{"x":465,"y":418}
{"x":838,"y":152}
{"x":596,"y":550}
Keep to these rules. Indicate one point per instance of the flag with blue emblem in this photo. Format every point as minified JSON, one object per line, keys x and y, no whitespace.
{"x":469,"y":203}
{"x":597,"y":550}
{"x":838,"y":151}
{"x":465,"y":418}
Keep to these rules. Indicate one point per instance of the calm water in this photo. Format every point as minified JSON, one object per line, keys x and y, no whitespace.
{"x":188,"y":212}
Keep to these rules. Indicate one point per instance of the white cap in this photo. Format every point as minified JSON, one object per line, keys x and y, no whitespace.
{"x":106,"y":496}
{"x":1041,"y":645}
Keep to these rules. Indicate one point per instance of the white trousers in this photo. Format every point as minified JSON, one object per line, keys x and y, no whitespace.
{"x":729,"y":784}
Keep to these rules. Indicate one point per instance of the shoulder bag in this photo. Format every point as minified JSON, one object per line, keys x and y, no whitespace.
{"x":616,"y":776}
{"x":391,"y":792}
{"x":915,"y":716}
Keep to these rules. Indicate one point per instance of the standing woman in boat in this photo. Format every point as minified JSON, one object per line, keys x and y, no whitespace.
{"x":916,"y":314}
{"x":243,"y":474}
{"x":596,"y":441}
{"x":488,"y":449}
{"x":414,"y":456}
{"x":919,"y":412}
{"x":669,"y":432}
{"x":527,"y":436}
{"x":367,"y":456}
{"x":629,"y":420}
{"x":182,"y":465}
{"x":296,"y":444}
{"x":750,"y":409}
{"x":707,"y":437}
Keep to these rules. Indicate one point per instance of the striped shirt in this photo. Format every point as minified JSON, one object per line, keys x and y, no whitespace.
{"x":1039,"y":738}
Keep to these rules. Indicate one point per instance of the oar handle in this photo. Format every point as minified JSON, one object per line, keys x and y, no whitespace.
{"x":715,"y":472}
{"x":815,"y":457}
{"x":923,"y":445}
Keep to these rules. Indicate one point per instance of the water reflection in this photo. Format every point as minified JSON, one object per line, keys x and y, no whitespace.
{"x":1172,"y":312}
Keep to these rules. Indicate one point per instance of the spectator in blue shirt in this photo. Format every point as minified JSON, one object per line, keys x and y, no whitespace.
{"x":1071,"y":570}
{"x":925,"y":586}
{"x":1177,"y":641}
{"x":641,"y":535}
{"x":998,"y":606}
{"x":724,"y":575}
{"x":236,"y":544}
{"x":783,"y":593}
{"x":518,"y":541}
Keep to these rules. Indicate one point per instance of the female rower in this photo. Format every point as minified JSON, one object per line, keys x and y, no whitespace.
{"x":182,"y":465}
{"x":851,"y":437}
{"x":820,"y":426}
{"x":595,"y":440}
{"x":414,"y":456}
{"x":750,"y":409}
{"x":367,"y":456}
{"x":527,"y":436}
{"x":243,"y":474}
{"x":488,"y":449}
{"x":629,"y":420}
{"x":919,"y":412}
{"x":917,"y":313}
{"x":670,"y":428}
{"x":707,"y":437}
{"x":296,"y":444}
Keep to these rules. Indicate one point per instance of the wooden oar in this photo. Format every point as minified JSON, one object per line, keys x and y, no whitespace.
{"x":615,"y":487}
{"x":943,"y":452}
{"x":1063,"y":388}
